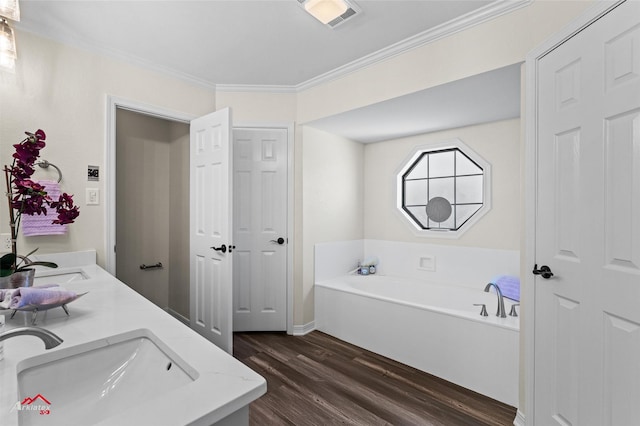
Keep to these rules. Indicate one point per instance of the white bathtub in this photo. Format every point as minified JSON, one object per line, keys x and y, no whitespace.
{"x":434,"y":328}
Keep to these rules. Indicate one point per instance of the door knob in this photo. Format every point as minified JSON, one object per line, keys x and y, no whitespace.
{"x":222,"y":248}
{"x":544,"y":270}
{"x":278,"y":241}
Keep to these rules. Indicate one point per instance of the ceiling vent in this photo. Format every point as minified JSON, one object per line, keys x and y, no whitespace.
{"x":352,"y":10}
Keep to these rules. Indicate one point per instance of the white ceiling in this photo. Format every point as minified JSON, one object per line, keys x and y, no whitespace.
{"x":241,"y":42}
{"x":276,"y":44}
{"x":483,"y":98}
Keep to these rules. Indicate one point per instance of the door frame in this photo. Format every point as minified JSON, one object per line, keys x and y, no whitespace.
{"x":591,"y":15}
{"x":290,"y":128}
{"x":115,"y":102}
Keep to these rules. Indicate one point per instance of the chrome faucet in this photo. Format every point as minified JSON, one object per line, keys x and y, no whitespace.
{"x":50,"y":340}
{"x":501,"y":312}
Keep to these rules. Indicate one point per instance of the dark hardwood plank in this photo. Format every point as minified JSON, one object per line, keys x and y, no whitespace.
{"x":319,"y":380}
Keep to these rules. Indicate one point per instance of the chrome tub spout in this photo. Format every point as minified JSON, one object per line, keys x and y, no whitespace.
{"x":501,"y":311}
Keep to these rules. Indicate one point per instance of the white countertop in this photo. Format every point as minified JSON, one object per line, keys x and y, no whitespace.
{"x":223,"y":386}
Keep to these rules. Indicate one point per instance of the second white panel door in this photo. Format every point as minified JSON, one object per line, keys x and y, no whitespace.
{"x":260,"y":228}
{"x":587,"y":315}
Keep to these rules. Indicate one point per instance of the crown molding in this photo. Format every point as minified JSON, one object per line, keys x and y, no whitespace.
{"x":464,"y":22}
{"x":261,"y":88}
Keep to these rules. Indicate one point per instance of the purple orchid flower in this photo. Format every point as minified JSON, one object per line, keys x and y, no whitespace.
{"x":66,"y":210}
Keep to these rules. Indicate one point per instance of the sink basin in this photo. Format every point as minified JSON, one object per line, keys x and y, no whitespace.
{"x":88,"y":383}
{"x":59,"y":276}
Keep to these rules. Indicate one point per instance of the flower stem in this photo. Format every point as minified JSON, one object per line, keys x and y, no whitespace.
{"x":12,"y":222}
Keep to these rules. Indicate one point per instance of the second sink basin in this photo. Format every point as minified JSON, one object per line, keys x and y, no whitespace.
{"x":88,"y":383}
{"x":59,"y":276}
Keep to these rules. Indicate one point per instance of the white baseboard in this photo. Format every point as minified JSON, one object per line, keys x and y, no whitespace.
{"x":178,"y":316}
{"x":301,"y":330}
{"x":519,"y":420}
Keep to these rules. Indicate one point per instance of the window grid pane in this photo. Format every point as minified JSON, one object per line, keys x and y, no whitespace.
{"x":449,"y":174}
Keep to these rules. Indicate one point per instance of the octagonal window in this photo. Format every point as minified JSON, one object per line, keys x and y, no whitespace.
{"x":443,"y":188}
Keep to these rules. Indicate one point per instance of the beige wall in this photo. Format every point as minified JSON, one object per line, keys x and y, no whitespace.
{"x":333,"y":196}
{"x":63,"y":91}
{"x":261,"y":107}
{"x":498,"y":143}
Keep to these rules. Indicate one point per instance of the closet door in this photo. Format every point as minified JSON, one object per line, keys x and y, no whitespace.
{"x":587,"y":315}
{"x":260,"y":229}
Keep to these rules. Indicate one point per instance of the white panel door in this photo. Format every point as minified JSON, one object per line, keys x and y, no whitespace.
{"x":260,"y":229}
{"x":587,"y":315}
{"x":211,"y":266}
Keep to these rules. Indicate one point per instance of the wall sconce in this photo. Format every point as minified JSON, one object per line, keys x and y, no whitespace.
{"x":7,"y":46}
{"x":10,"y":9}
{"x":325,"y":11}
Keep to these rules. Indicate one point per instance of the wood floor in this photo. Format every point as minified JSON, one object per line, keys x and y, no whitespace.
{"x":319,"y":380}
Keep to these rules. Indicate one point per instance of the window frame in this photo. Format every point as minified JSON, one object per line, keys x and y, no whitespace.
{"x":416,"y":157}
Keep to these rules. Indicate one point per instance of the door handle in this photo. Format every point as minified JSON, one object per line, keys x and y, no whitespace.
{"x":278,"y":241}
{"x":544,"y":270}
{"x":145,"y":267}
{"x":222,"y":248}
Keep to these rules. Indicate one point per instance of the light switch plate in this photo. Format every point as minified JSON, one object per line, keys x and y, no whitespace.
{"x":93,"y":196}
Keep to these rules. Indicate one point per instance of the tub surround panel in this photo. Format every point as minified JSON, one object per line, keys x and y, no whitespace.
{"x":443,"y":264}
{"x":463,"y":266}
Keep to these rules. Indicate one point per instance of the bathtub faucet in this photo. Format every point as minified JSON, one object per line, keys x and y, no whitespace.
{"x":501,"y":312}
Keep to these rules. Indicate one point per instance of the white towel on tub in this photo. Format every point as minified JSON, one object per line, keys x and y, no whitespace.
{"x":41,"y":224}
